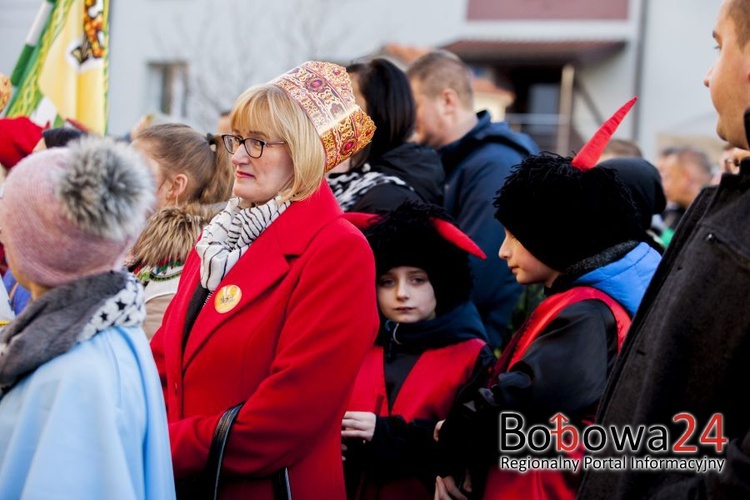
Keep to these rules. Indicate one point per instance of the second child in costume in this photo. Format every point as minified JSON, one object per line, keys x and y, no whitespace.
{"x":574,"y":228}
{"x":430,"y":349}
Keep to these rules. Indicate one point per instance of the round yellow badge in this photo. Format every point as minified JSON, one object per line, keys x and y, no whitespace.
{"x":227,"y":298}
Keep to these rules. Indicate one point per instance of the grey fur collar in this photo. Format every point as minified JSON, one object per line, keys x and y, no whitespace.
{"x":611,"y":254}
{"x":65,"y":316}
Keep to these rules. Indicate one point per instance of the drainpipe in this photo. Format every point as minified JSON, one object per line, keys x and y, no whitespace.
{"x":638,"y":70}
{"x":567,"y":80}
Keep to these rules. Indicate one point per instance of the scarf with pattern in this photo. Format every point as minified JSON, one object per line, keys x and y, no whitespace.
{"x":228,"y":236}
{"x":64,"y":317}
{"x":350,"y":186}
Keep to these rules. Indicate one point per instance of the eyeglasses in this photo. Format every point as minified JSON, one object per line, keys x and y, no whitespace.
{"x":253,"y":147}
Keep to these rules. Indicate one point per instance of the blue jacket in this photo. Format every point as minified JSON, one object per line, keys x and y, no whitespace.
{"x":88,"y":424}
{"x":625,"y":280}
{"x":18,"y":295}
{"x":475,"y":168}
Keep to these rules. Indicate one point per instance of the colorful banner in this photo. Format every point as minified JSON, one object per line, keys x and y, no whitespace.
{"x":63,"y":72}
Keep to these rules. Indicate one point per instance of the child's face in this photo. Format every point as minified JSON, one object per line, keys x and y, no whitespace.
{"x":405,"y":295}
{"x":525,"y":267}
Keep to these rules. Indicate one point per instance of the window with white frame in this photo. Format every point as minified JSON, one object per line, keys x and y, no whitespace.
{"x":168,"y":87}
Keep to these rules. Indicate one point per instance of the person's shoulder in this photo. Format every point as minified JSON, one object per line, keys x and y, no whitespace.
{"x":84,"y":373}
{"x":590,"y":311}
{"x":498,"y":136}
{"x":384,"y":198}
{"x":489,"y":155}
{"x":339,"y":236}
{"x":96,"y":361}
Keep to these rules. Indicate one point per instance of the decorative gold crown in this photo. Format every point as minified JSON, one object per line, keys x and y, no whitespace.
{"x":324,"y":92}
{"x":4,"y":91}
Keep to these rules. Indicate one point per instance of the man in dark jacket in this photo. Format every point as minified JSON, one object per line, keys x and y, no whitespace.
{"x":477,"y":156}
{"x":689,"y":344}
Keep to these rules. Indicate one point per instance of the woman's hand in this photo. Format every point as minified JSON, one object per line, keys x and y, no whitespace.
{"x":358,"y":425}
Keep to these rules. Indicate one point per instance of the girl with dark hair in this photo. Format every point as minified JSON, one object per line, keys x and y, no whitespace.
{"x":392,"y":169}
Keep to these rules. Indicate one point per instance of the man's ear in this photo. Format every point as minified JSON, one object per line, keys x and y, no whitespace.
{"x":449,"y":100}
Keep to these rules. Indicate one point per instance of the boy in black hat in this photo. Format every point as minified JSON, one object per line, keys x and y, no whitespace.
{"x":430,"y":348}
{"x":575,"y":229}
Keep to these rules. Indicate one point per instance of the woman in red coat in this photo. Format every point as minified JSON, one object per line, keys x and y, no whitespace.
{"x":269,"y":298}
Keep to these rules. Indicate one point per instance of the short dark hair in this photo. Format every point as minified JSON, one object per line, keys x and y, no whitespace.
{"x":59,"y":137}
{"x":390,"y":103}
{"x":691,"y":156}
{"x":441,"y":69}
{"x":739,"y":13}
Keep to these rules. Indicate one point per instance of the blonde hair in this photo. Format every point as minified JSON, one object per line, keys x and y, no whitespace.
{"x":180,"y":149}
{"x":170,"y":234}
{"x":268,"y":109}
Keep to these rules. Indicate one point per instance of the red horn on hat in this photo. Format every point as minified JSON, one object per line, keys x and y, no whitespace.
{"x":590,"y":153}
{"x":362,"y":220}
{"x":454,"y":235}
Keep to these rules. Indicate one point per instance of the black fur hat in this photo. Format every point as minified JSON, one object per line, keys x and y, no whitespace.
{"x":410,"y":236}
{"x":563,"y":214}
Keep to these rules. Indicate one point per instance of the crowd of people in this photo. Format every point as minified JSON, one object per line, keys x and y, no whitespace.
{"x":321,"y":298}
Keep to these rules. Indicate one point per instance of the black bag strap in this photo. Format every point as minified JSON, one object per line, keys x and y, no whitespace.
{"x":281,"y":488}
{"x":218,"y":444}
{"x":280,"y":479}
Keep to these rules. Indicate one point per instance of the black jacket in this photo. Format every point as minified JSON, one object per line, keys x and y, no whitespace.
{"x":564,"y":370}
{"x":688,"y":350}
{"x":418,"y":166}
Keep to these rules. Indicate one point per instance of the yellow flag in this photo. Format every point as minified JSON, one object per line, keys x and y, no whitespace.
{"x":65,"y":76}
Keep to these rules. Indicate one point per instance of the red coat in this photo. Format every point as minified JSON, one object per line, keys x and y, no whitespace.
{"x":429,"y":389}
{"x":288,"y":349}
{"x":427,"y":393}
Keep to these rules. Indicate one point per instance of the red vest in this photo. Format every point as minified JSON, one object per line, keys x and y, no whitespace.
{"x":547,"y":484}
{"x":427,"y":393}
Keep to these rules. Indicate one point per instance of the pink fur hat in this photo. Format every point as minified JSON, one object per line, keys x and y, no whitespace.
{"x":66,"y":213}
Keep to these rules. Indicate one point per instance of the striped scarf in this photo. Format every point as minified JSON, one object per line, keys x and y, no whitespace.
{"x":349,"y":187}
{"x":228,"y":236}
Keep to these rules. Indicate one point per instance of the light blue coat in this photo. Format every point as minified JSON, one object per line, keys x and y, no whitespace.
{"x":89,"y":424}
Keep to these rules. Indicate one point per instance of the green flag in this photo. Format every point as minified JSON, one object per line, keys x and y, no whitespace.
{"x":62,"y":72}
